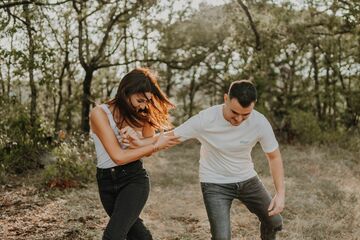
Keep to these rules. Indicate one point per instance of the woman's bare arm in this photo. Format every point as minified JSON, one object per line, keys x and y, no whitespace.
{"x":101,"y":127}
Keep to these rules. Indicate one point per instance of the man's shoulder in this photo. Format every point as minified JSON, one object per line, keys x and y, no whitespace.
{"x":210,"y":113}
{"x":210,"y":110}
{"x":258,"y":118}
{"x":258,"y":115}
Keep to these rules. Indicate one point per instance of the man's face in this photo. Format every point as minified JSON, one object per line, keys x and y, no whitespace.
{"x":234,"y":112}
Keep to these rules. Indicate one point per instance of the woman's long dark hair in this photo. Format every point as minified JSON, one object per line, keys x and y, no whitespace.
{"x":141,"y":80}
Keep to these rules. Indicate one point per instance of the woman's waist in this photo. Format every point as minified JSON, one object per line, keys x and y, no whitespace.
{"x":126,"y":168}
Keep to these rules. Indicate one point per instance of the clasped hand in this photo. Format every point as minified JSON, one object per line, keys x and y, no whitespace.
{"x":132,"y":139}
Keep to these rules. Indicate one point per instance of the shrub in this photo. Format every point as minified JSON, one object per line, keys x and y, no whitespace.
{"x":74,"y":165}
{"x":2,"y":173}
{"x":22,"y":142}
{"x":304,"y":126}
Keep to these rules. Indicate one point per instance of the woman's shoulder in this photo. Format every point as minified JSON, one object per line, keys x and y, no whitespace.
{"x":97,"y":111}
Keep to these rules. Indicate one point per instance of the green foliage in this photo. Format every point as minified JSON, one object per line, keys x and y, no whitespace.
{"x":304,"y":126}
{"x":25,"y":145}
{"x":22,"y":142}
{"x":74,"y":164}
{"x":347,"y":140}
{"x":2,"y":173}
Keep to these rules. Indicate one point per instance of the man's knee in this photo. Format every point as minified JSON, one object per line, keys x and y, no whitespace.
{"x":276,"y":222}
{"x":221,"y":237}
{"x":109,"y":236}
{"x":221,"y":233}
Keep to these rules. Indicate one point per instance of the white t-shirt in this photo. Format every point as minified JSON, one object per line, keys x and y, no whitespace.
{"x":225,"y":154}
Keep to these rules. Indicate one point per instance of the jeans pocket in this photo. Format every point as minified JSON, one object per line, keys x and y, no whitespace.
{"x":208,"y":188}
{"x":138,"y":172}
{"x":253,"y":182}
{"x":204,"y":187}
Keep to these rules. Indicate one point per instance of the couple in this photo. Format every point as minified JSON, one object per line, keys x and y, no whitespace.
{"x":227,"y":134}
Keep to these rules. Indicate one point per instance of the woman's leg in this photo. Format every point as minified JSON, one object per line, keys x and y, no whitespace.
{"x":127,"y":208}
{"x":139,"y":231}
{"x":107,"y":192}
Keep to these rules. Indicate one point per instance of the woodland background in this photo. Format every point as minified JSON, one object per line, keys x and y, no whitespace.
{"x":59,"y":58}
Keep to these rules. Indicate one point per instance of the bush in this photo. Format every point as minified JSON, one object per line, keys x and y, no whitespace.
{"x":304,"y":126}
{"x":306,"y":129}
{"x":2,"y":173}
{"x":74,"y":165}
{"x":22,"y":142}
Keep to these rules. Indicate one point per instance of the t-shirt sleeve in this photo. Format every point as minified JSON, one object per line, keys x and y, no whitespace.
{"x":189,"y":129}
{"x":267,"y":137}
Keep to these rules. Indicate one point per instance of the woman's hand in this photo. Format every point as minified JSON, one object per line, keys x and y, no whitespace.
{"x":130,"y":138}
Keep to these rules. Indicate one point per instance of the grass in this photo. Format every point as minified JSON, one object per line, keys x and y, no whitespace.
{"x":322,"y":200}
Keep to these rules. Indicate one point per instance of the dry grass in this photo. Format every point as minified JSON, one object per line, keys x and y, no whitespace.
{"x":323,"y":192}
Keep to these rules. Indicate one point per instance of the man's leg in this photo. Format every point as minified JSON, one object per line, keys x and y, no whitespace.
{"x":255,"y":197}
{"x":218,"y":199}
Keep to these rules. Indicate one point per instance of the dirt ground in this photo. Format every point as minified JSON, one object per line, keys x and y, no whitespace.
{"x":323,"y":192}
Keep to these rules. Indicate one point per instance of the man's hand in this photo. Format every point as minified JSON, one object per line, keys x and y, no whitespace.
{"x":165,"y":141}
{"x":277,"y":205}
{"x":277,"y":171}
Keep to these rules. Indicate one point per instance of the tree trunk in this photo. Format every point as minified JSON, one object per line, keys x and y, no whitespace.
{"x":168,"y":81}
{"x":317,"y":84}
{"x":68,"y":107}
{"x":31,"y":65}
{"x":8,"y":86}
{"x":330,"y":94}
{"x":192,"y":91}
{"x":350,"y":115}
{"x":125,"y":50}
{"x":8,"y":66}
{"x":327,"y":92}
{"x":58,"y":110}
{"x":85,"y":126}
{"x":3,"y":90}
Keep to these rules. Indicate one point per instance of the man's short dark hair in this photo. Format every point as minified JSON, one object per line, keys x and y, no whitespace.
{"x":244,"y":91}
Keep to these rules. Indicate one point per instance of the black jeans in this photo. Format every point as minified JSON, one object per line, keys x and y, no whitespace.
{"x":218,"y":199}
{"x":123,"y":193}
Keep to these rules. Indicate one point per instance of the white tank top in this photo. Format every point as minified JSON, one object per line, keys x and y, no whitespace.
{"x":103,"y":158}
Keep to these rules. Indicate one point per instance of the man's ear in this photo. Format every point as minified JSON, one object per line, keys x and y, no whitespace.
{"x":226,"y":97}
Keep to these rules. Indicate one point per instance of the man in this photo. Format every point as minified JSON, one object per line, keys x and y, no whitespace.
{"x":227,"y":134}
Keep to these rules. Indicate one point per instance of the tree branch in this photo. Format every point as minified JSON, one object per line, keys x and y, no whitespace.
{"x":17,"y":3}
{"x":21,"y":20}
{"x":109,"y":27}
{"x":252,"y":25}
{"x":80,"y":32}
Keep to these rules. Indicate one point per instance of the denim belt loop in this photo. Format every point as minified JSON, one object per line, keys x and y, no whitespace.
{"x":237,"y":186}
{"x":113,"y":173}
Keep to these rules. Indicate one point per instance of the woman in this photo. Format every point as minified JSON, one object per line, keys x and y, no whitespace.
{"x":123,"y":182}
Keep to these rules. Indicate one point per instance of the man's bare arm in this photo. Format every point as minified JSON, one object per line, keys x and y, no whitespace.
{"x":277,"y":171}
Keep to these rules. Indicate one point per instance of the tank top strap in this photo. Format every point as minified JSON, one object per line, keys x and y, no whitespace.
{"x":112,"y":123}
{"x":109,"y":114}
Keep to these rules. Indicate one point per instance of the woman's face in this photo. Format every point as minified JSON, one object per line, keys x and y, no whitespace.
{"x":140,"y":102}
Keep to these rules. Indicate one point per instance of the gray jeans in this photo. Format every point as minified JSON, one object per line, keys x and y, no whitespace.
{"x":252,"y":193}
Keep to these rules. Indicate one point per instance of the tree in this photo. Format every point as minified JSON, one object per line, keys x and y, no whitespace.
{"x":96,"y":55}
